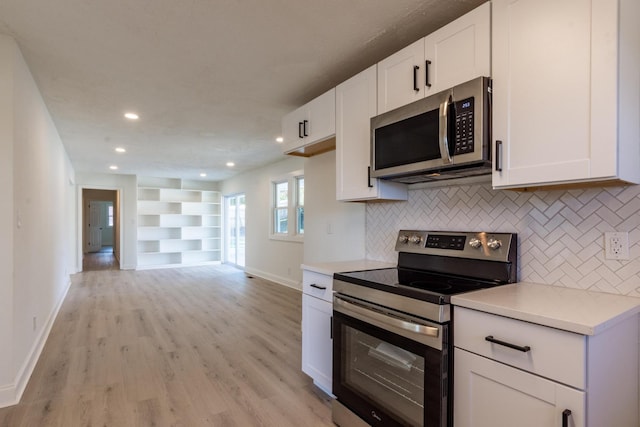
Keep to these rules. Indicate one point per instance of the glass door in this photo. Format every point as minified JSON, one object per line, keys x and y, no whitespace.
{"x":234,"y":229}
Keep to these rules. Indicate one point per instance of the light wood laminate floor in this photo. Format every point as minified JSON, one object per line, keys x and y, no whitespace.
{"x":198,"y":346}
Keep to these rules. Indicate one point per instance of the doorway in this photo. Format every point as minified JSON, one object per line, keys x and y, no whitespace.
{"x":100,"y":230}
{"x":234,"y":229}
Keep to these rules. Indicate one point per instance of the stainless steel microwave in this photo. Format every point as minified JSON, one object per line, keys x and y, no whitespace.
{"x":446,"y":135}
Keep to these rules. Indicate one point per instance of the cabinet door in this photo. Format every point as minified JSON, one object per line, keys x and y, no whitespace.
{"x":459,"y":51}
{"x":321,"y":113}
{"x":316,"y":341}
{"x":399,"y":82}
{"x":488,"y":393}
{"x":355,"y":106}
{"x":292,"y":129}
{"x":543,"y":91}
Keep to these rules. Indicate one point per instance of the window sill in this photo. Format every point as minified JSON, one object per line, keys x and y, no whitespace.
{"x":286,"y":238}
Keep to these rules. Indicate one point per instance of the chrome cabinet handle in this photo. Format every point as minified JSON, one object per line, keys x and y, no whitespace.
{"x":524,"y":349}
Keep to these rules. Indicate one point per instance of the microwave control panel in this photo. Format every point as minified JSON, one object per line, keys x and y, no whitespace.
{"x":464,"y":126}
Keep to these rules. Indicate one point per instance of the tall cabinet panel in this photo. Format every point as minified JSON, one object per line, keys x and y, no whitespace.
{"x":178,"y":222}
{"x":355,"y":106}
{"x":565,"y":90}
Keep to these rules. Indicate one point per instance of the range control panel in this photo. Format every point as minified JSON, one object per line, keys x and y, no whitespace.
{"x":446,"y":242}
{"x":479,"y":245}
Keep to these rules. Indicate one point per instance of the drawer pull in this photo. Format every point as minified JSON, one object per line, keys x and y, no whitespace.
{"x":524,"y":349}
{"x":565,"y":417}
{"x":322,"y":288}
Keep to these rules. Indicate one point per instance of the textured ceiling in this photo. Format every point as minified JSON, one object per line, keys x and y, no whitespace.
{"x":210,"y":79}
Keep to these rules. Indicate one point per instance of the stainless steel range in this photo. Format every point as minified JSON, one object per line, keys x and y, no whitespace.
{"x":392,"y":343}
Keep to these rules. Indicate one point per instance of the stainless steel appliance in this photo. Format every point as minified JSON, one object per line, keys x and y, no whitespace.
{"x":443,"y":136}
{"x":392,"y":344}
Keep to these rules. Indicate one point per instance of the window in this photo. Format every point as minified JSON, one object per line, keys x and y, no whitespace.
{"x":110,"y":216}
{"x":288,"y":207}
{"x":300,"y":205}
{"x":281,"y":208}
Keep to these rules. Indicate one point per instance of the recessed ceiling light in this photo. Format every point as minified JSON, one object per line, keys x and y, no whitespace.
{"x":120,"y":150}
{"x":113,"y":167}
{"x":203,"y":174}
{"x":131,"y":116}
{"x":279,"y":139}
{"x":231,"y":164}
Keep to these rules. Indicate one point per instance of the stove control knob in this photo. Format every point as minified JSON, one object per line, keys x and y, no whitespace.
{"x":494,"y":244}
{"x":403,"y":238}
{"x":475,"y":243}
{"x":415,"y":239}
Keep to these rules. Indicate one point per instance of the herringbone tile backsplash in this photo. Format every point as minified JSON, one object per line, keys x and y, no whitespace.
{"x":560,"y":233}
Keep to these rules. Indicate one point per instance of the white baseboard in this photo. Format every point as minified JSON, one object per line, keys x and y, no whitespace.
{"x":10,"y":394}
{"x":273,"y":278}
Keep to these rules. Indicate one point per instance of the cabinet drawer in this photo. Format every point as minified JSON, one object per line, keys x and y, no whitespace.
{"x":317,"y":285}
{"x":555,"y":354}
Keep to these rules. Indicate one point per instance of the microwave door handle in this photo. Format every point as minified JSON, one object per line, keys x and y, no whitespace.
{"x":444,"y":132}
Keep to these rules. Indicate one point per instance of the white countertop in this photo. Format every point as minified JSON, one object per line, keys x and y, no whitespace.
{"x":574,"y":310}
{"x":329,"y":268}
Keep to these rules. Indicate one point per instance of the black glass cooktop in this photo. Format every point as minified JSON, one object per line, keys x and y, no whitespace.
{"x":423,"y":285}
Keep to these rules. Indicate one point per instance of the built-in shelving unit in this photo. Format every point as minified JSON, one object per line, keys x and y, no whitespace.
{"x":179,"y":222}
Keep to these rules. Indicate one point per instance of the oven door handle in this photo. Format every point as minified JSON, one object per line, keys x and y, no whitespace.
{"x":359,"y":311}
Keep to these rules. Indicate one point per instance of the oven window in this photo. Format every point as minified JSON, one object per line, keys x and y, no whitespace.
{"x":383,"y":372}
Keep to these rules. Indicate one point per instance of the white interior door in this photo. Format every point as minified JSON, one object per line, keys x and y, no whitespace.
{"x":94,"y":228}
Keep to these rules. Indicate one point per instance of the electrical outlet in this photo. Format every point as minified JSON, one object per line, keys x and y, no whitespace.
{"x":616,"y":245}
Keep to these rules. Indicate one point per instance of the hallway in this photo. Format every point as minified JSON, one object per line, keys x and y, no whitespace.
{"x":101,"y":260}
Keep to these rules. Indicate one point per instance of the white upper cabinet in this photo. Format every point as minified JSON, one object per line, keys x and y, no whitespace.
{"x":459,"y":51}
{"x":400,"y":81}
{"x":454,"y":54}
{"x":307,"y":129}
{"x":566,"y":85}
{"x":355,"y":106}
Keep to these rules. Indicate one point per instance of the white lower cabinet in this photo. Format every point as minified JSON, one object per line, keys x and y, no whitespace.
{"x":491,"y":394}
{"x":509,"y":372}
{"x":317,"y":344}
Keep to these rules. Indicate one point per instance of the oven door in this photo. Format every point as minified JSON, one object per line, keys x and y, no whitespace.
{"x":389,"y":368}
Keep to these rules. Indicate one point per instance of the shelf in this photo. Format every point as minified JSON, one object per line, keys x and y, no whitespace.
{"x":200,"y":256}
{"x":147,"y":207}
{"x":158,"y":233}
{"x":200,"y":232}
{"x":157,"y":259}
{"x":178,"y":222}
{"x":180,"y":245}
{"x":211,"y":220}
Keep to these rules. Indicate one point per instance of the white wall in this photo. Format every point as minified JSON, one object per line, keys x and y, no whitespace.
{"x":334,"y":231}
{"x":37,"y":222}
{"x":127,"y":185}
{"x":275,"y":260}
